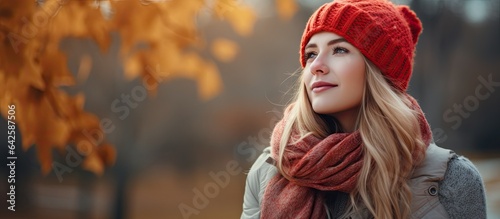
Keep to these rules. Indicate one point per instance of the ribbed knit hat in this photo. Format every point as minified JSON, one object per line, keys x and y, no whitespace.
{"x":386,"y":34}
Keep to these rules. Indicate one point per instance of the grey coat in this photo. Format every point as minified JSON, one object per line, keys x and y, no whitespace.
{"x":445,"y":185}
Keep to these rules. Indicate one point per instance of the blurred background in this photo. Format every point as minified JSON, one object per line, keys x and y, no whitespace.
{"x":181,"y":150}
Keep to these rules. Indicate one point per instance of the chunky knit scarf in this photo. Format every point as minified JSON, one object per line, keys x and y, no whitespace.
{"x":315,"y":165}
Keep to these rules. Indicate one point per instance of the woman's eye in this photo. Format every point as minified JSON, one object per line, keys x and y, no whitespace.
{"x":310,"y":55}
{"x":340,"y":50}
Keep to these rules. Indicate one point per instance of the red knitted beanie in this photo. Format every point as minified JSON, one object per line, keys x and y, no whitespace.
{"x":386,"y":34}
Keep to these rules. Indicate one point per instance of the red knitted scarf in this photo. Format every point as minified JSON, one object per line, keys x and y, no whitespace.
{"x":315,"y":165}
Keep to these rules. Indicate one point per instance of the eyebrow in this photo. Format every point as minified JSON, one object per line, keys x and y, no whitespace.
{"x":338,"y":40}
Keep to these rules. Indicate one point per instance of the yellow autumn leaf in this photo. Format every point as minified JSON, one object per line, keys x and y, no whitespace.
{"x":224,"y":50}
{"x":6,"y":97}
{"x":32,"y":73}
{"x":61,"y":26}
{"x":209,"y":82}
{"x":55,"y":73}
{"x":44,"y":154}
{"x":33,"y":67}
{"x":107,"y":153}
{"x":79,"y":100}
{"x":93,"y":163}
{"x":84,"y":68}
{"x":58,"y":133}
{"x":191,"y":65}
{"x":133,"y":66}
{"x":222,"y":7}
{"x":286,"y":8}
{"x":241,"y":17}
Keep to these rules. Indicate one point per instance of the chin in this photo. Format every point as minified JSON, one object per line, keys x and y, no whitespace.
{"x":324,"y":109}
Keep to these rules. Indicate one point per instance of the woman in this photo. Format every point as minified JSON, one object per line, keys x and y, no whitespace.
{"x":353,"y":143}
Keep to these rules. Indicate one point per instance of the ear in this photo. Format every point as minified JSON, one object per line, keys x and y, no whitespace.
{"x":412,"y":20}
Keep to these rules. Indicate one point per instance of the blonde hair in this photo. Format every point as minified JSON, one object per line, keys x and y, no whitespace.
{"x":389,"y":129}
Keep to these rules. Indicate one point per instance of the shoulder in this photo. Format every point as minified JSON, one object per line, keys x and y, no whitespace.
{"x":460,"y":167}
{"x":261,"y":165}
{"x":462,"y":192}
{"x":258,"y":176}
{"x":260,"y":173}
{"x":434,"y":165}
{"x":461,"y":173}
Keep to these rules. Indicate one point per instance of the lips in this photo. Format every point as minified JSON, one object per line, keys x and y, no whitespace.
{"x":321,"y":86}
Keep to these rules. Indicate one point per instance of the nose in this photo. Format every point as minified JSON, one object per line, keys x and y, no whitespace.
{"x":318,"y":66}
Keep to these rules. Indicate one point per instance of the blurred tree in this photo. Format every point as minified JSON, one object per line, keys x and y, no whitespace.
{"x":159,"y":42}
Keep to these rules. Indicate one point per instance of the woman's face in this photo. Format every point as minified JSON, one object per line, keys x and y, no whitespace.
{"x":334,"y":75}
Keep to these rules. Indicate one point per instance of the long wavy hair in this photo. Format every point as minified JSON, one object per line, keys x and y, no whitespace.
{"x":390,"y":132}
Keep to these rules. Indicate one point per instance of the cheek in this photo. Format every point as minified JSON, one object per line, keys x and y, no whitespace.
{"x":353,"y":74}
{"x":358,"y":77}
{"x":306,"y":79}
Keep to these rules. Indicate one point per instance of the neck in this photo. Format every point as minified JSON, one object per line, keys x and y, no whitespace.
{"x":347,"y":119}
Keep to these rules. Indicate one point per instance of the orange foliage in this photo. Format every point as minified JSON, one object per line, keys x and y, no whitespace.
{"x":32,"y":68}
{"x":286,"y":8}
